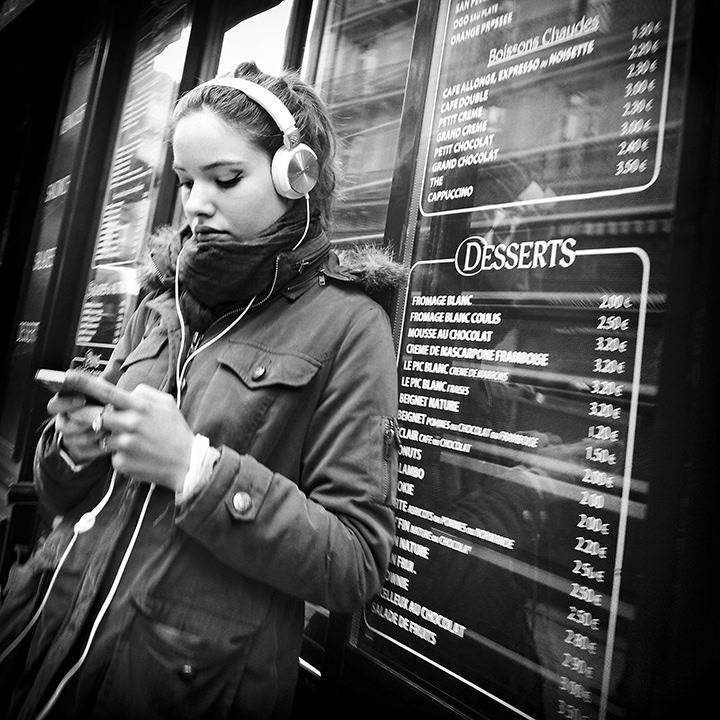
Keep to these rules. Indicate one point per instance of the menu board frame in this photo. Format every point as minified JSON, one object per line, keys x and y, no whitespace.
{"x":539,"y":49}
{"x":626,"y":482}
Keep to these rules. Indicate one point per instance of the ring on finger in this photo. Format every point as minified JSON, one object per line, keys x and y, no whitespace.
{"x":103,"y":443}
{"x":97,"y":423}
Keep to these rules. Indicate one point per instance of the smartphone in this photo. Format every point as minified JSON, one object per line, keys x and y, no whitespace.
{"x":51,"y":379}
{"x":81,"y":382}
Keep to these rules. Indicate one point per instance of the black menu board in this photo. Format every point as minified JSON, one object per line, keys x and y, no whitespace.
{"x":528,"y":353}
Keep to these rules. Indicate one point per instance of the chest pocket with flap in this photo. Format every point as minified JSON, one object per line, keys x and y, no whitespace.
{"x":254,"y":389}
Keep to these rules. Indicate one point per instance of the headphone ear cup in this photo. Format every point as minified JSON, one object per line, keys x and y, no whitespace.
{"x":295,"y":171}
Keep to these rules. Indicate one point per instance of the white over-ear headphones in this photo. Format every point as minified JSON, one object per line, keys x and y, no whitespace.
{"x":294,"y":166}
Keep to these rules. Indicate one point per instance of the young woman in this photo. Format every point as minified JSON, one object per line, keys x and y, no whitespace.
{"x":248,"y":460}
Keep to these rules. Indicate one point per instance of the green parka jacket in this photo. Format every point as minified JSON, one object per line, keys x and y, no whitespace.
{"x":207,"y":617}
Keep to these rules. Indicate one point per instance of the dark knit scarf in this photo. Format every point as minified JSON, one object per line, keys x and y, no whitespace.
{"x":220,"y":275}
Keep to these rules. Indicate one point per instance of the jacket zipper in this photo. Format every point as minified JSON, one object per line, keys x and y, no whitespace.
{"x":194,"y":344}
{"x":196,"y":340}
{"x":158,"y":275}
{"x":391,"y":437}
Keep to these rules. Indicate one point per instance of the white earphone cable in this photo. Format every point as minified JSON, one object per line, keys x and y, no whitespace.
{"x":178,"y":310}
{"x":181,"y":367}
{"x":103,"y":609}
{"x":85,"y":522}
{"x":307,"y":222}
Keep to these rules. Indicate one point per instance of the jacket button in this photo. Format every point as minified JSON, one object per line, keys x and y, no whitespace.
{"x":241,"y":502}
{"x":258,"y":372}
{"x":186,"y":671}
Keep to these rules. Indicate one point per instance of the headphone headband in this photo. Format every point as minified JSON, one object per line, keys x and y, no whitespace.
{"x":267,"y":100}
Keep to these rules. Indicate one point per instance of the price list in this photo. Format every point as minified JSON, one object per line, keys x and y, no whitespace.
{"x":492,"y":144}
{"x":516,"y":481}
{"x":640,"y":117}
{"x":604,"y":501}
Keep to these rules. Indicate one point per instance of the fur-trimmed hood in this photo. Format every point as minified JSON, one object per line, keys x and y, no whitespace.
{"x":371,"y":267}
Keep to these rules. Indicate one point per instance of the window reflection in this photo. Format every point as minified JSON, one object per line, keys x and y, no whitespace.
{"x":361,"y":73}
{"x":529,"y":353}
{"x":132,"y":184}
{"x":363,"y":58}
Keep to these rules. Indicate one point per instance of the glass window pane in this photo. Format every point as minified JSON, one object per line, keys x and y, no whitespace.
{"x":541,"y":232}
{"x":363,"y":56}
{"x":260,"y":38}
{"x":361,"y":73}
{"x":132,"y":183}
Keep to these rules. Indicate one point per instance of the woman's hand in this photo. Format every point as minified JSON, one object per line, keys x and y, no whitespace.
{"x":148,"y":437}
{"x":144,"y":431}
{"x":74,"y":419}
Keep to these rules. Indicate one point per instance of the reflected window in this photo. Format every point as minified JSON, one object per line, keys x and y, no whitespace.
{"x":361,"y":52}
{"x":362,"y":64}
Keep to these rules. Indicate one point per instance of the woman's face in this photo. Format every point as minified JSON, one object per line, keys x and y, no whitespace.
{"x":225,"y":181}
